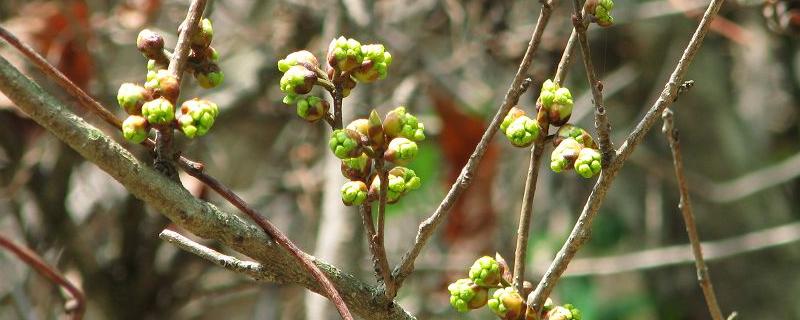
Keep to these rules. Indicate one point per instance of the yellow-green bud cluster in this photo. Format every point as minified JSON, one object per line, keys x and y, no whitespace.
{"x":402,"y":180}
{"x":507,"y":304}
{"x":345,"y":143}
{"x":197,"y":117}
{"x":375,"y":64}
{"x":312,"y":108}
{"x":465,"y":295}
{"x":401,"y":151}
{"x":354,"y":193}
{"x":556,"y":102}
{"x":400,"y":123}
{"x":486,"y":271}
{"x":576,"y":149}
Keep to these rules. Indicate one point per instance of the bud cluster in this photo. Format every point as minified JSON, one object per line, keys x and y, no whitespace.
{"x":555,"y":102}
{"x":153,"y":104}
{"x":473,"y":292}
{"x":601,"y":11}
{"x":366,"y":140}
{"x":575,"y":148}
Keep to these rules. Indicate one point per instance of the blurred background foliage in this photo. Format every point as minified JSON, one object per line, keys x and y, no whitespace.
{"x":453,"y":61}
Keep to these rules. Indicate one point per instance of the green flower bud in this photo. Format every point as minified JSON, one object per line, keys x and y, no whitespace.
{"x":209,"y":75}
{"x":565,"y":312}
{"x":588,"y":163}
{"x":135,"y":129}
{"x":197,"y":117}
{"x":163,"y":84}
{"x":150,"y":44}
{"x":579,"y":134}
{"x":486,"y":272}
{"x":564,"y":155}
{"x":401,"y":151}
{"x":298,"y":80}
{"x":556,"y":102}
{"x":204,"y":33}
{"x":357,"y":168}
{"x":153,"y":66}
{"x":131,"y":97}
{"x":401,"y":181}
{"x":312,"y":108}
{"x":399,"y":123}
{"x":344,"y":54}
{"x":512,"y":115}
{"x":158,"y":111}
{"x":375,"y":65}
{"x":298,"y":57}
{"x":466,"y":295}
{"x":354,"y":193}
{"x":507,"y":304}
{"x":523,"y":131}
{"x":345,"y":143}
{"x":601,"y":10}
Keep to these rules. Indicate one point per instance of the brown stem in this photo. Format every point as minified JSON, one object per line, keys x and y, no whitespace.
{"x":582,"y":229}
{"x":518,"y":86}
{"x":34,"y":261}
{"x":566,"y":58}
{"x":525,"y":215}
{"x":688,"y":217}
{"x":390,"y":290}
{"x":601,"y":123}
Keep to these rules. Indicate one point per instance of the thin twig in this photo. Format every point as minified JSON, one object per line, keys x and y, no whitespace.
{"x":688,"y":217}
{"x":582,"y":229}
{"x":566,"y":58}
{"x":379,"y":260}
{"x":390,"y":290}
{"x":526,"y":212}
{"x":518,"y":86}
{"x":37,"y":263}
{"x":601,"y":123}
{"x":253,"y":269}
{"x":193,"y":168}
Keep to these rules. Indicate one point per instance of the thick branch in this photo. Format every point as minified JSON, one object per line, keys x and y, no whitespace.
{"x":34,"y":261}
{"x":518,"y":86}
{"x":580,"y":233}
{"x":169,"y":198}
{"x":688,"y":217}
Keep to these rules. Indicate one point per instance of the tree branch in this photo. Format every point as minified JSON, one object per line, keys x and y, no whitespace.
{"x":688,"y":216}
{"x":37,"y":263}
{"x":253,"y":269}
{"x":601,"y":122}
{"x":169,"y":198}
{"x":518,"y":86}
{"x":582,"y":229}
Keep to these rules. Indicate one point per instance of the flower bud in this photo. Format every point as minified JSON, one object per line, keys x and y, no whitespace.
{"x":588,"y":163}
{"x":399,"y":123}
{"x":556,"y":102}
{"x":401,"y":181}
{"x":150,"y":44}
{"x":197,"y":117}
{"x":401,"y":151}
{"x":466,"y":295}
{"x":601,"y":10}
{"x":523,"y":131}
{"x":512,"y":115}
{"x":564,"y":155}
{"x":344,"y":54}
{"x":507,"y":304}
{"x":298,"y":80}
{"x":209,"y":75}
{"x":486,"y":272}
{"x":203,"y":35}
{"x":354,"y":193}
{"x":312,"y":108}
{"x":158,"y":111}
{"x":345,"y":143}
{"x":131,"y":97}
{"x":135,"y":129}
{"x":298,"y":57}
{"x":565,"y":312}
{"x":579,"y":134}
{"x":370,"y":128}
{"x":357,"y":168}
{"x":164,"y":84}
{"x":375,"y":65}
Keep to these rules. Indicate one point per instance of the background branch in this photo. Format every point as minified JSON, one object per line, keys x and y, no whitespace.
{"x":688,"y":217}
